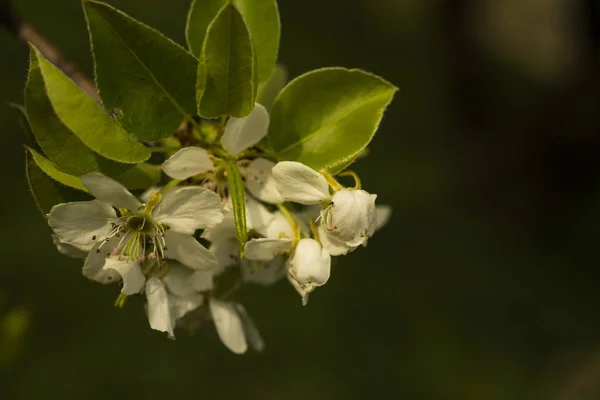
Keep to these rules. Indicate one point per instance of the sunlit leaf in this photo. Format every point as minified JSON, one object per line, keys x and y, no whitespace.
{"x":87,"y":119}
{"x":325,"y":118}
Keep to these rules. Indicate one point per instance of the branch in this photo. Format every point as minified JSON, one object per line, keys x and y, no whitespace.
{"x":13,"y":22}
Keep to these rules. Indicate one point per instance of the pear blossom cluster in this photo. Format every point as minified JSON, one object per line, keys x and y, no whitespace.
{"x":177,"y":244}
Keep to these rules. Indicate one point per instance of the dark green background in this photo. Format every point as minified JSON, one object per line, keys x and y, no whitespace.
{"x":484,"y":285}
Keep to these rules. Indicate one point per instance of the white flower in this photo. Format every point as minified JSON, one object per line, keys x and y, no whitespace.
{"x":351,"y":216}
{"x":240,"y":134}
{"x":234,"y":327}
{"x":309,"y":267}
{"x":335,"y":246}
{"x":160,"y":229}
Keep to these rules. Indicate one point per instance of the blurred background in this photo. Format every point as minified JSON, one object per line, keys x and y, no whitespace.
{"x":484,"y":285}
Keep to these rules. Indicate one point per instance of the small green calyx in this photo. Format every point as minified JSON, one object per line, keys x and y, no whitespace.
{"x":142,"y":223}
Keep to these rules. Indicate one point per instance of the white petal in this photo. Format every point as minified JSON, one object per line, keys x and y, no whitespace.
{"x":82,"y":222}
{"x":229,"y":325}
{"x":188,"y":162}
{"x":263,"y":273}
{"x":131,"y":273}
{"x":265,"y":249}
{"x":310,"y":264}
{"x":351,"y":216}
{"x":303,"y":290}
{"x":242,"y":133}
{"x":260,"y":182}
{"x":188,"y":251}
{"x":334,"y":245}
{"x":94,"y":263}
{"x":227,"y":253}
{"x":180,"y":306}
{"x":178,"y":281}
{"x":202,"y":281}
{"x":224,"y":230}
{"x":298,"y":183}
{"x":383,"y":214}
{"x":252,"y":333}
{"x":185,"y":209}
{"x":71,"y":250}
{"x":110,"y":191}
{"x":279,"y":227}
{"x":159,"y":310}
{"x":257,"y":215}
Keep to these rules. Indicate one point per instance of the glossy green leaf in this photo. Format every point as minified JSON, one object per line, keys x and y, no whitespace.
{"x":236,"y":191}
{"x":227,"y":81}
{"x":261,"y":16}
{"x":325,"y":118}
{"x":47,"y":192}
{"x":269,"y":89}
{"x":87,"y":119}
{"x":142,"y":176}
{"x":53,"y":172}
{"x":59,"y":144}
{"x":139,"y":71}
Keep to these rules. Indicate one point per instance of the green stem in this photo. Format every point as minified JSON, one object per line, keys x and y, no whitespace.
{"x":354,"y":175}
{"x":169,"y":186}
{"x":288,"y":215}
{"x":332,"y":181}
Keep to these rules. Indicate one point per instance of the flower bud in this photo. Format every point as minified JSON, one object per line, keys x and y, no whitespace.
{"x":351,"y":216}
{"x":309,"y":267}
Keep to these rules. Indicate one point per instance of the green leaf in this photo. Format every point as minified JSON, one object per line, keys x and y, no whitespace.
{"x":261,"y":16}
{"x":200,"y":15}
{"x":236,"y":191}
{"x":87,"y":119}
{"x":53,"y":172}
{"x":227,"y":82}
{"x":139,"y":71}
{"x":47,"y":192}
{"x":24,"y":122}
{"x":142,"y":176}
{"x":325,"y":118}
{"x":269,"y":89}
{"x":59,"y":144}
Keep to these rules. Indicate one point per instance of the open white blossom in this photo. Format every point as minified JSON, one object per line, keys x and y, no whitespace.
{"x":350,"y":216}
{"x":160,"y":229}
{"x":309,"y":267}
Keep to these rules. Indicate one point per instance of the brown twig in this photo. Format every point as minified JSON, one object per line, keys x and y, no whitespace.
{"x":12,"y":21}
